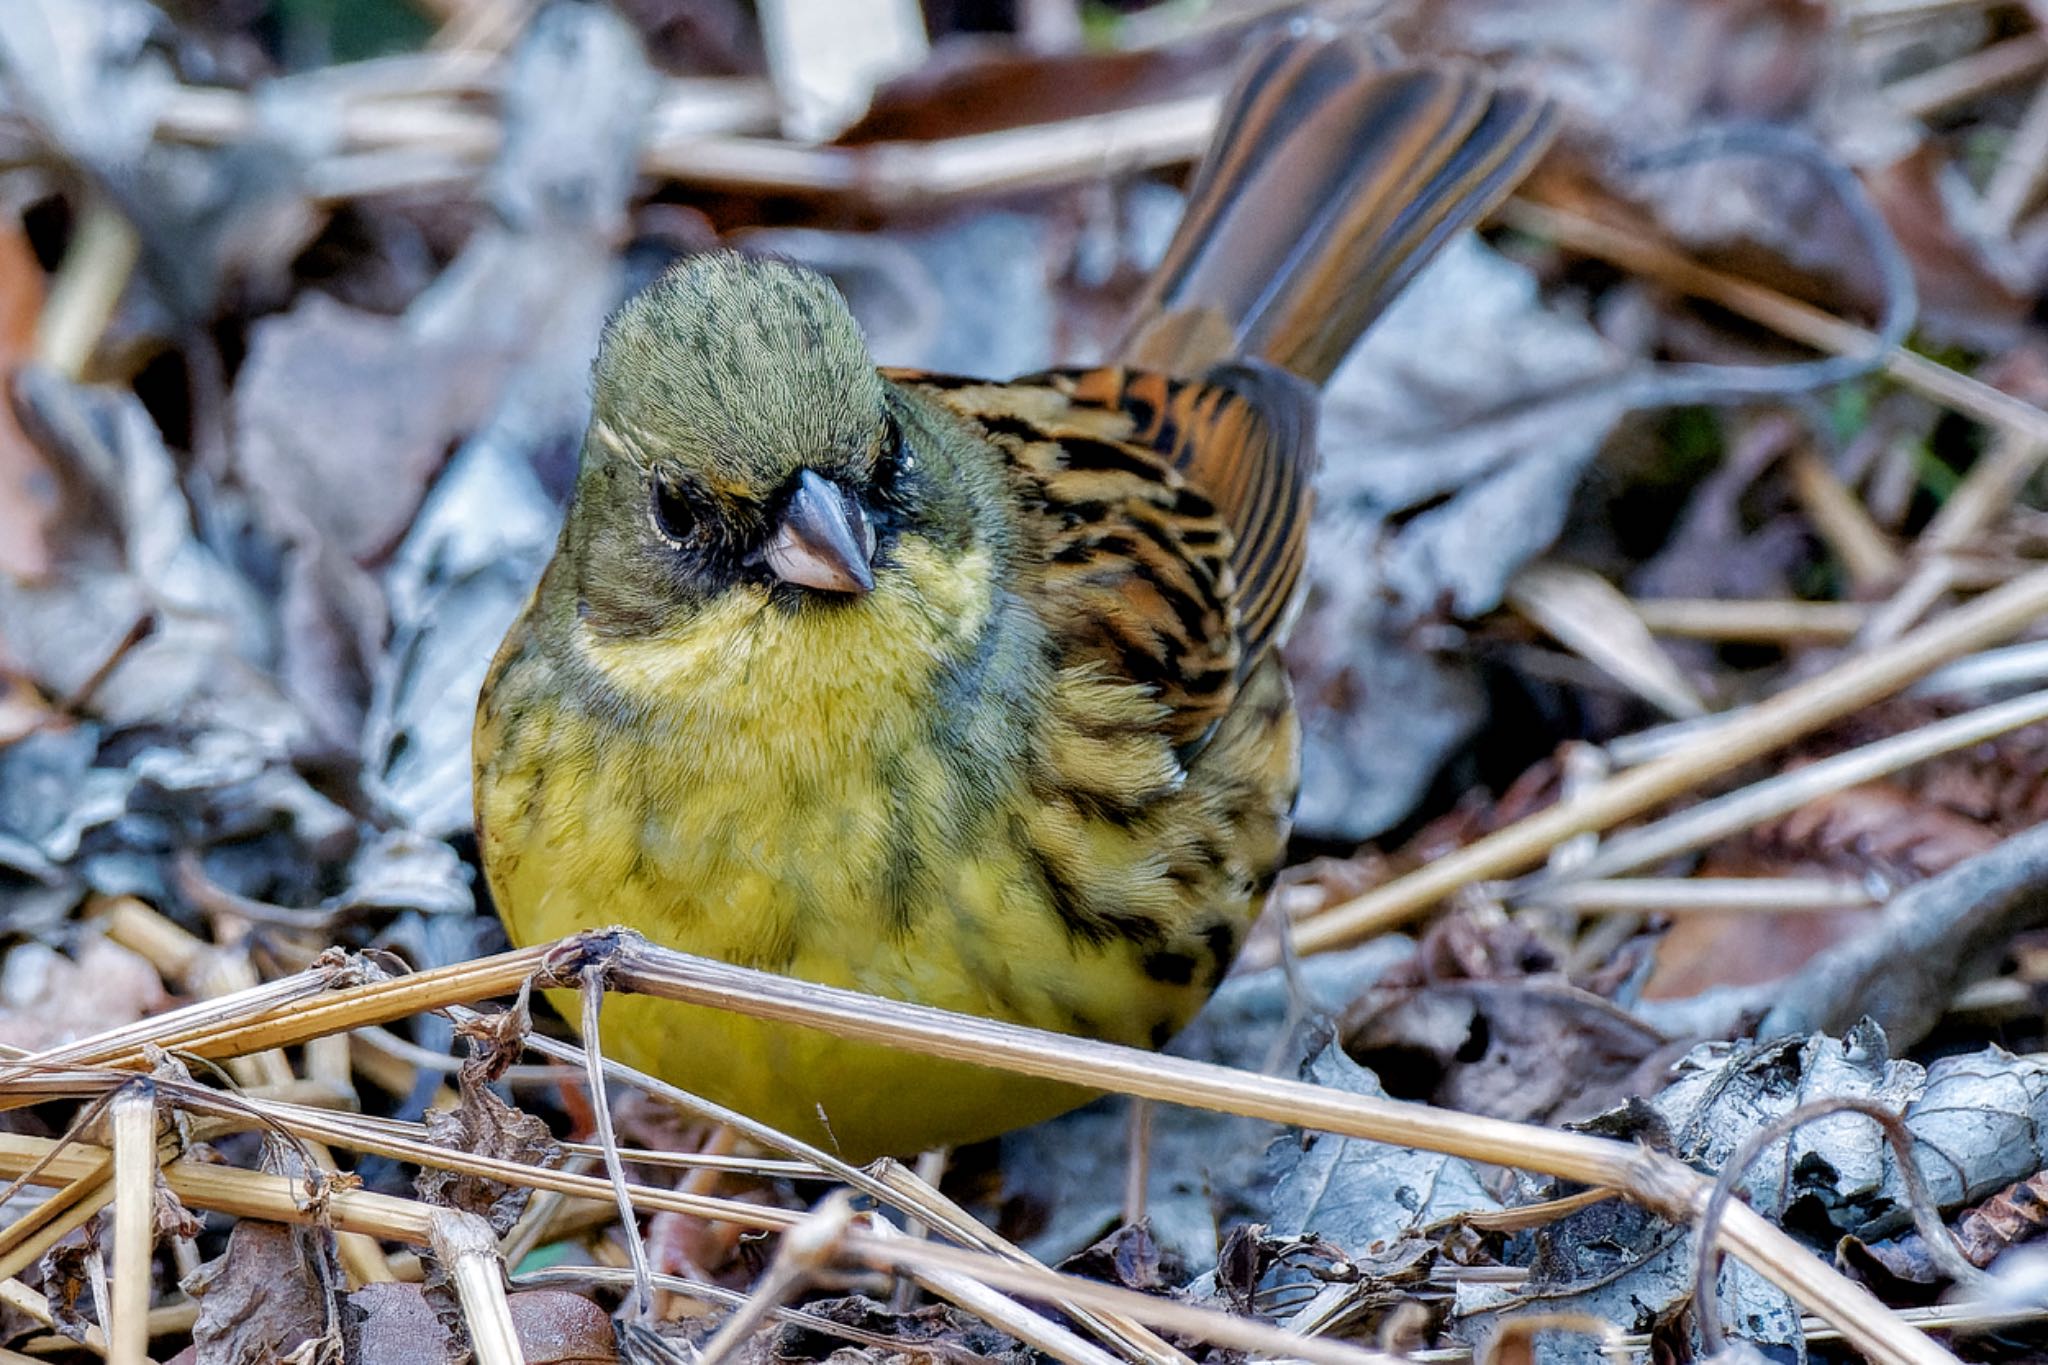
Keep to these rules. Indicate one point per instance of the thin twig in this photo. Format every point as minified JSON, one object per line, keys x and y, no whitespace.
{"x":1668,"y":895}
{"x":1763,"y":622}
{"x":1799,"y":710}
{"x":2016,"y":183}
{"x":1789,"y":317}
{"x":1972,"y":77}
{"x":592,"y":987}
{"x":1865,"y":552}
{"x":1788,"y":791}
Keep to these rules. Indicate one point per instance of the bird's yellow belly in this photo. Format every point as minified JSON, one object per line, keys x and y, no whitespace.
{"x":858,"y":871}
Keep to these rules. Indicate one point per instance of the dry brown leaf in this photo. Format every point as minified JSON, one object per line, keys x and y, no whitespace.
{"x":260,"y":1300}
{"x":394,"y":1325}
{"x":1741,"y":948}
{"x":1481,"y":1019}
{"x":67,"y":1277}
{"x":1586,"y":613}
{"x":556,"y":1327}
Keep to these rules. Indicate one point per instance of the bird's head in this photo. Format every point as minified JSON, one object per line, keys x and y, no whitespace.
{"x":742,"y":441}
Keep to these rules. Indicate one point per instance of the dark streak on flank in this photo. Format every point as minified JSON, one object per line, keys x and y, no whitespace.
{"x":1064,"y":897}
{"x":1171,"y":968}
{"x":904,"y":868}
{"x":1221,"y":939}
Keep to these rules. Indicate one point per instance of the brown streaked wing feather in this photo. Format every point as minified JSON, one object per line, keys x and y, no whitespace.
{"x":1137,"y":563}
{"x":1244,"y":437}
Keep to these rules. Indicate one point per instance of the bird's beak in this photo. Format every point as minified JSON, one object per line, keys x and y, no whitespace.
{"x":825,"y":541}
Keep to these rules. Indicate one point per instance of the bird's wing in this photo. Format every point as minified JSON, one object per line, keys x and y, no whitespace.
{"x":1244,"y":437}
{"x":1171,"y":516}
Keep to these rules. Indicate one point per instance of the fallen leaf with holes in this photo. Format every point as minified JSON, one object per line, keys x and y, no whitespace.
{"x":1483,"y":1019}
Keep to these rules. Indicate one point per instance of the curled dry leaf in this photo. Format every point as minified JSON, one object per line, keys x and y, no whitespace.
{"x":487,"y":1126}
{"x":66,"y":1271}
{"x":1977,"y":1121}
{"x":1130,"y":1258}
{"x":266,"y":1297}
{"x":1483,"y":1019}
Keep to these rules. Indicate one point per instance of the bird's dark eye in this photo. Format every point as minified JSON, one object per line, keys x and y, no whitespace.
{"x":897,"y":458}
{"x":674,"y":517}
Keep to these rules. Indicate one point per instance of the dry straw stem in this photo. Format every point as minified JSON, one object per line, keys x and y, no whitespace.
{"x":1986,"y":493}
{"x":90,"y":281}
{"x":403,"y":1142}
{"x":133,"y":1121}
{"x":1924,"y":589}
{"x":25,"y":1240}
{"x":1771,"y":724}
{"x":262,"y":1018}
{"x":32,"y":1305}
{"x":592,"y":986}
{"x":1759,"y":621}
{"x":174,"y":1028}
{"x":892,"y":176}
{"x":805,"y":1250}
{"x":926,"y":1261}
{"x":697,"y":135}
{"x":227,"y":1189}
{"x":1865,"y":551}
{"x":1968,"y":78}
{"x":924,"y":1203}
{"x":1681,"y":895}
{"x":469,"y":1252}
{"x":1788,"y":791}
{"x":1800,"y":322}
{"x":2016,"y":183}
{"x":1653,"y":1180}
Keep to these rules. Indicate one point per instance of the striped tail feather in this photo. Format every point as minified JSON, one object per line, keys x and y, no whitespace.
{"x":1332,"y":179}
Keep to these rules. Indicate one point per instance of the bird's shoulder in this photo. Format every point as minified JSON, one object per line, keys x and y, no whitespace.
{"x":1163,"y":519}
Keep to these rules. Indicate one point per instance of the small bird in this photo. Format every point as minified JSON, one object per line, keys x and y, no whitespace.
{"x":959,"y":691}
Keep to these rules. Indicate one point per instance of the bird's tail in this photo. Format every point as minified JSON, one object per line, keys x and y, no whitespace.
{"x":1332,"y":179}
